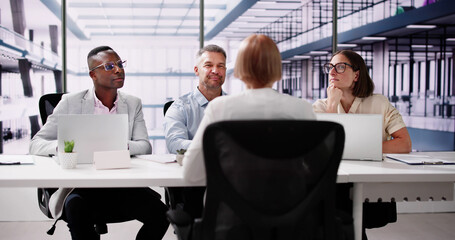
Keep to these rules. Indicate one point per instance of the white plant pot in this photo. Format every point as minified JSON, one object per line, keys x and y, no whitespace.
{"x":67,"y":160}
{"x":179,"y":158}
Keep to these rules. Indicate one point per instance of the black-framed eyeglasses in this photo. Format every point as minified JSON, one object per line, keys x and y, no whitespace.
{"x":339,"y":67}
{"x":108,"y":66}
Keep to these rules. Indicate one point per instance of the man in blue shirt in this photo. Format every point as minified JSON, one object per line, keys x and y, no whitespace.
{"x":183,"y":117}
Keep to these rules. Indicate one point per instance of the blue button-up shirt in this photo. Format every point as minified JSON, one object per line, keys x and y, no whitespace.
{"x":182,"y":120}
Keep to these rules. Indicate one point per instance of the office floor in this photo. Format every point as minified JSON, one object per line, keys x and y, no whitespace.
{"x":409,"y":226}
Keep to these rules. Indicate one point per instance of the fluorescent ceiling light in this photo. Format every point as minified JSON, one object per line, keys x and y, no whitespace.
{"x":421,"y":26}
{"x":285,"y":61}
{"x":318,"y":52}
{"x":246,"y":17}
{"x":238,"y":23}
{"x":450,"y":39}
{"x":346,"y":45}
{"x":374,"y":38}
{"x":257,"y":9}
{"x":301,"y":57}
{"x":261,"y":3}
{"x":421,"y":46}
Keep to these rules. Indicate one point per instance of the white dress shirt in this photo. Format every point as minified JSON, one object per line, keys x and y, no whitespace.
{"x":183,"y":118}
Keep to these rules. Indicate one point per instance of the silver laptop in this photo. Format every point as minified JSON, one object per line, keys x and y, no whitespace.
{"x":91,"y":133}
{"x":363,"y":134}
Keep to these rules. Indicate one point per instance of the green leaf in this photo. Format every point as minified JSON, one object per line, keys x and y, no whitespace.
{"x":181,"y":151}
{"x":69,"y":145}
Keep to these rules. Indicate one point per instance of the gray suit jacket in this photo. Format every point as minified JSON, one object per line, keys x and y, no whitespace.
{"x":45,"y":141}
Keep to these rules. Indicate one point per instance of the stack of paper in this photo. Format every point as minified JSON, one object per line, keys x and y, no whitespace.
{"x":414,"y":159}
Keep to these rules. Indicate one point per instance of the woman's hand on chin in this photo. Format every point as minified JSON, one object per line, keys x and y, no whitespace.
{"x":334,"y":95}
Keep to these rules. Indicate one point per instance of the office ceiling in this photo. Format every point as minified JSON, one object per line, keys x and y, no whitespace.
{"x":223,"y":19}
{"x":106,"y":18}
{"x":89,"y":19}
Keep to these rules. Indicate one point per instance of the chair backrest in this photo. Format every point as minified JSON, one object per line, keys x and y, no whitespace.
{"x":172,"y":195}
{"x":47,"y":104}
{"x":166,"y":106}
{"x":271,"y":179}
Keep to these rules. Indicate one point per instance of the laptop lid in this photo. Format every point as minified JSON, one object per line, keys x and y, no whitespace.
{"x":363,"y":134}
{"x":91,"y":133}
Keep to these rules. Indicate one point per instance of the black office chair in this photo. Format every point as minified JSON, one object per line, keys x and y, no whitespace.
{"x":172,"y":195}
{"x":46,"y":104}
{"x":166,"y":106}
{"x":268,"y":180}
{"x":186,"y":198}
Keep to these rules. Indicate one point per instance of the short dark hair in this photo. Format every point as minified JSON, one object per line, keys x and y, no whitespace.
{"x":364,"y":86}
{"x":211,"y":48}
{"x":96,"y":50}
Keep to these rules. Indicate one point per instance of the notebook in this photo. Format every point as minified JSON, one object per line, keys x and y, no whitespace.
{"x":414,"y":159}
{"x":363,"y":134}
{"x":91,"y":133}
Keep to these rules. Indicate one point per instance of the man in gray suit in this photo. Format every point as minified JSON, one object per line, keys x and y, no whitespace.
{"x":82,"y":208}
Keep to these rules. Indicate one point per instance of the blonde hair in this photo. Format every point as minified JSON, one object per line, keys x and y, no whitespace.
{"x":258,"y":61}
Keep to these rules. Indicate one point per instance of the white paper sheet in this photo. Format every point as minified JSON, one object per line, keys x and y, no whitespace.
{"x":160,"y":158}
{"x":413,"y":159}
{"x":16,"y":159}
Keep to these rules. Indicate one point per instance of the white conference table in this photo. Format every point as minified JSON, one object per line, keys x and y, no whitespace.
{"x":387,"y":179}
{"x":392,"y":179}
{"x":45,"y":172}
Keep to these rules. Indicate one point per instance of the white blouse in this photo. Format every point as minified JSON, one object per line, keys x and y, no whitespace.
{"x":263,"y":103}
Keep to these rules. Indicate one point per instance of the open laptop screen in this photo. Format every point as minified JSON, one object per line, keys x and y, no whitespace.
{"x":363,"y":134}
{"x":91,"y":133}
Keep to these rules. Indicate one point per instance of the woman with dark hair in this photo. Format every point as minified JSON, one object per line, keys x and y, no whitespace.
{"x":351,"y":91}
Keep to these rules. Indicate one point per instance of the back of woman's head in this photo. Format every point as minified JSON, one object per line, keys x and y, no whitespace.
{"x":258,"y":61}
{"x":364,"y":86}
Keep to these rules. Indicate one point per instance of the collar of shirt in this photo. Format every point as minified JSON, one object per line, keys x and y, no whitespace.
{"x":101,"y":109}
{"x":200,"y":98}
{"x":355,"y":105}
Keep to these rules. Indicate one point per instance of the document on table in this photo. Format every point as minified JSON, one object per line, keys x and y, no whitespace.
{"x":159,"y":158}
{"x":413,"y":159}
{"x":16,"y":159}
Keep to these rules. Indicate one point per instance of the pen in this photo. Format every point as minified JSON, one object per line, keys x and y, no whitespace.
{"x":10,"y":163}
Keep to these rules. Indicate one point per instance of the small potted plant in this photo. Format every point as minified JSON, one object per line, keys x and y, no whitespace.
{"x":180,"y":155}
{"x":68,"y":158}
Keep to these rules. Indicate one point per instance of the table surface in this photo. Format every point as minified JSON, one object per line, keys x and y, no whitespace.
{"x":394,"y":171}
{"x":45,"y":172}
